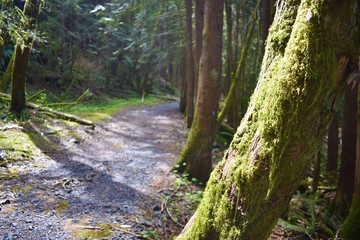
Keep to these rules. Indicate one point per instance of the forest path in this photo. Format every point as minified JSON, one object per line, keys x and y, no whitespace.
{"x":112,"y":175}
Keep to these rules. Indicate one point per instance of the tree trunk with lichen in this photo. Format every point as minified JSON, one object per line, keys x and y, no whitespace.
{"x":21,"y":58}
{"x":306,"y":54}
{"x":195,"y":159}
{"x":350,"y":229}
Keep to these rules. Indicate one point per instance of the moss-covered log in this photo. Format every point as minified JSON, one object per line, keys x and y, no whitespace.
{"x":286,"y":121}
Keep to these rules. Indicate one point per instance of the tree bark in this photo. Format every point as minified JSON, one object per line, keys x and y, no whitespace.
{"x":230,"y":64}
{"x":333,"y":146}
{"x":266,"y":20}
{"x":199,"y":27}
{"x":21,"y":59}
{"x":345,"y":185}
{"x":351,"y":226}
{"x":6,"y":78}
{"x":182,"y":104}
{"x":285,"y":124}
{"x":196,"y":157}
{"x":189,"y":69}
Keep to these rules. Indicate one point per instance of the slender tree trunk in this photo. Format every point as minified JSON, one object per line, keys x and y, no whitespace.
{"x":266,"y":20}
{"x":182,"y":105}
{"x":2,"y":42}
{"x":333,"y":146}
{"x":317,"y":172}
{"x":6,"y":78}
{"x":345,"y":185}
{"x":351,"y":226}
{"x":21,"y":59}
{"x":230,"y":62}
{"x":196,"y":157}
{"x":189,"y":69}
{"x":285,"y":124}
{"x":239,"y":70}
{"x":199,"y":27}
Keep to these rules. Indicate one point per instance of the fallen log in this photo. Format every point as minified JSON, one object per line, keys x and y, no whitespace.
{"x":170,"y":98}
{"x":61,"y":115}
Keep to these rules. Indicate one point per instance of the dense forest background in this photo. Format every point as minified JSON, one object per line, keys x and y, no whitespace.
{"x":96,"y":50}
{"x":111,"y":47}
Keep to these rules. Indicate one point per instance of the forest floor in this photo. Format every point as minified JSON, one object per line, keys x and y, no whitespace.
{"x":73,"y":182}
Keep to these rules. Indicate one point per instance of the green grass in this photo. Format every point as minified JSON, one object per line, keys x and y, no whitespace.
{"x":98,"y":111}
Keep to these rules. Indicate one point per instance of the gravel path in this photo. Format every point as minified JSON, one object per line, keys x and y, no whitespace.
{"x":110,"y":178}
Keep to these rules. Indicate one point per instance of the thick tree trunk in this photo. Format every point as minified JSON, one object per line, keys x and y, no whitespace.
{"x":189,"y":69}
{"x":285,"y":124}
{"x":195,"y":159}
{"x":345,"y":185}
{"x":351,"y":226}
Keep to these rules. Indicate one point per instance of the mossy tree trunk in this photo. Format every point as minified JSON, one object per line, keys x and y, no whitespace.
{"x":195,"y":159}
{"x":21,"y":58}
{"x":351,"y":226}
{"x":285,"y":124}
{"x":345,"y":184}
{"x":189,"y":65}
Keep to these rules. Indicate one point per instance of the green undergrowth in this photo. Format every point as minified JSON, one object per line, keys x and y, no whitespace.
{"x":179,"y":203}
{"x":97,"y":111}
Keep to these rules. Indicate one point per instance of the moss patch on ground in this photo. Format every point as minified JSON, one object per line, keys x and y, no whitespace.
{"x":16,"y":145}
{"x":84,"y":231}
{"x":100,"y":110}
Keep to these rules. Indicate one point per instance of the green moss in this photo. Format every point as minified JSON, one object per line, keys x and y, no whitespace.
{"x":16,"y":144}
{"x":285,"y":123}
{"x":6,"y":176}
{"x":101,"y":231}
{"x":98,"y":111}
{"x":22,"y":189}
{"x":350,"y":229}
{"x":62,"y":206}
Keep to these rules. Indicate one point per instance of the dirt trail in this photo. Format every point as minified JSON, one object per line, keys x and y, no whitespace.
{"x":111,"y":175}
